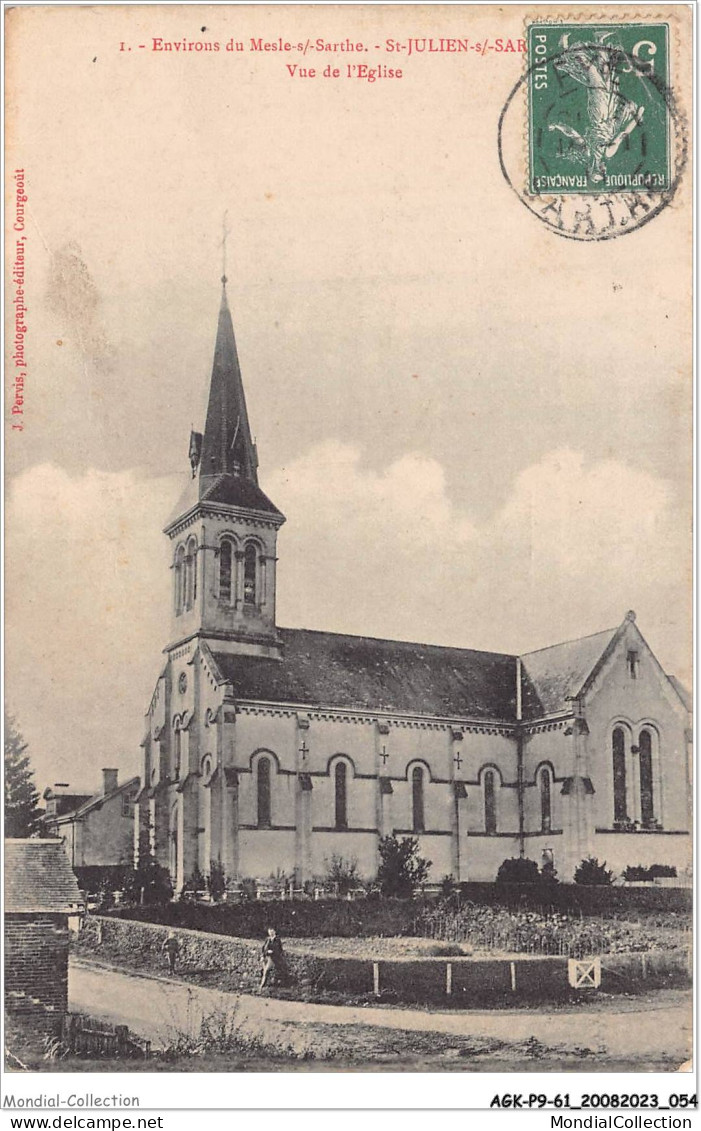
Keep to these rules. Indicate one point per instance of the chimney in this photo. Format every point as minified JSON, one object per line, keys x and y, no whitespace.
{"x":109,"y":781}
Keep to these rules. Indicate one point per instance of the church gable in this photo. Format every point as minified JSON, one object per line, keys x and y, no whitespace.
{"x":629,"y":670}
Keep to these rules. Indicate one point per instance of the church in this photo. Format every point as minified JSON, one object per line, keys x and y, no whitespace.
{"x":271,"y":750}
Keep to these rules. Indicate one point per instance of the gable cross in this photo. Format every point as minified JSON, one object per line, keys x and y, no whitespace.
{"x":304,"y":749}
{"x":384,"y":755}
{"x":457,"y":759}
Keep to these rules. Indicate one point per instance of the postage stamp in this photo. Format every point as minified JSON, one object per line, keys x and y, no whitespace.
{"x":598,"y":110}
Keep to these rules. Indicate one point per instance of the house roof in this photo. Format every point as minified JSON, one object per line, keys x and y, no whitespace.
{"x":38,"y":877}
{"x":554,"y":675}
{"x":360,"y":672}
{"x":99,"y":799}
{"x":64,"y":802}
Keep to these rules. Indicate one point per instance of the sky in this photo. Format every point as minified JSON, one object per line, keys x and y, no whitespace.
{"x":478,"y":432}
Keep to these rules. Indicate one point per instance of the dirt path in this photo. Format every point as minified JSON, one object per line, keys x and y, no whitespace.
{"x":157,"y":1008}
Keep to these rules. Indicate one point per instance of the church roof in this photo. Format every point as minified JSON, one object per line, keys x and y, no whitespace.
{"x":552,"y":676}
{"x":38,"y":877}
{"x":363,"y":673}
{"x":230,"y":490}
{"x":227,"y":439}
{"x":224,"y":458}
{"x":682,"y":691}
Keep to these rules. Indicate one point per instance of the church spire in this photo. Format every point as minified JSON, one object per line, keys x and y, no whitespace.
{"x":227,"y":445}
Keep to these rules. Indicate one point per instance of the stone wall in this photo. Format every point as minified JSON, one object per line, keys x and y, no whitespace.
{"x":460,"y":980}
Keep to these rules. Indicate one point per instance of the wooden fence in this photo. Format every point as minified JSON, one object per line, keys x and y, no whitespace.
{"x":89,"y":1037}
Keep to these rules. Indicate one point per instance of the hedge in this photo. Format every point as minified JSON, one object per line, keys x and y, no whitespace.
{"x":396,"y":917}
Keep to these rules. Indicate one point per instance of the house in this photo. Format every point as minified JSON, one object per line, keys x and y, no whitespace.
{"x":97,"y":830}
{"x":41,"y":894}
{"x":271,"y":750}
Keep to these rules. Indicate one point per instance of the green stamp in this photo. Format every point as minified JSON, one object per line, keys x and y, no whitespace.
{"x":598,"y":108}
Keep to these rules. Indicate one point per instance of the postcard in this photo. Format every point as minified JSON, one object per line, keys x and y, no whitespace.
{"x":348,"y":551}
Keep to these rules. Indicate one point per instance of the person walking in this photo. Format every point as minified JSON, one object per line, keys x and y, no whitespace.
{"x":172,"y":948}
{"x":272,"y":957}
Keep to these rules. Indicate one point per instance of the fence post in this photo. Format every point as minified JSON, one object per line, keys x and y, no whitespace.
{"x":121,"y":1032}
{"x":513,"y":976}
{"x":376,"y":979}
{"x":449,"y":978}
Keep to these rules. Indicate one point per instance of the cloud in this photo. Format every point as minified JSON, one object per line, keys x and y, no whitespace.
{"x":377,"y":552}
{"x":572,"y":548}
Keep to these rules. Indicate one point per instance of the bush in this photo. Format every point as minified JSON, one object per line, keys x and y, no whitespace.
{"x":591,"y":872}
{"x":518,"y":870}
{"x":216,"y":879}
{"x":401,"y":869}
{"x":656,"y":871}
{"x":341,"y":874}
{"x":548,"y":874}
{"x":194,"y":884}
{"x":149,"y":883}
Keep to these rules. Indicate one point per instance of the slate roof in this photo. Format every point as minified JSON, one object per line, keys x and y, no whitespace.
{"x":551,"y":675}
{"x":99,"y":799}
{"x":38,"y":877}
{"x":363,"y":673}
{"x":682,"y":691}
{"x":233,"y":490}
{"x":227,"y":433}
{"x":64,"y":802}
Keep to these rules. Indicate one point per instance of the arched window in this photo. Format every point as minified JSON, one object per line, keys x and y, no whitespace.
{"x":490,"y":803}
{"x":179,"y":579}
{"x":226,"y":557}
{"x":417,"y":799}
{"x":647,"y":800}
{"x":618,"y":752}
{"x":191,"y":574}
{"x":341,"y":786}
{"x":177,"y":749}
{"x":263,"y":784}
{"x":250,"y":563}
{"x":545,"y":802}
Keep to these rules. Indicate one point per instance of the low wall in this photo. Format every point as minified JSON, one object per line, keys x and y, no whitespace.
{"x":463,"y":980}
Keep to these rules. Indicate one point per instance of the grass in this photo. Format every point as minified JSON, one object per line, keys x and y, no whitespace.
{"x":221,"y":1046}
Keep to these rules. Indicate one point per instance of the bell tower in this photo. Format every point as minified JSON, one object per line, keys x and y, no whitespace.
{"x":224,"y":530}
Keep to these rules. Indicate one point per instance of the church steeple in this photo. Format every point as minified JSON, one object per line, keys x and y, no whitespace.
{"x":227,"y":446}
{"x":224,"y":529}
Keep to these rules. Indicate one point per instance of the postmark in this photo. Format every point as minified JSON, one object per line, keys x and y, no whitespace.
{"x":598,"y":118}
{"x":591,"y":138}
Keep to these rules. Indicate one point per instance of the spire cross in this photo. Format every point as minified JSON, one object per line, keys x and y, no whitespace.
{"x":225,"y":232}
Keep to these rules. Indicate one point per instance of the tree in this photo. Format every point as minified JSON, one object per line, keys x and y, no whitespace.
{"x":401,"y":869}
{"x":590,"y":871}
{"x":21,"y":797}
